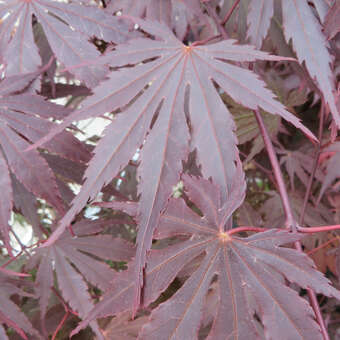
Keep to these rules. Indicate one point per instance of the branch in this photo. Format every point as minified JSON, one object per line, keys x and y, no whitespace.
{"x":290,"y":221}
{"x":230,"y":12}
{"x":216,"y":19}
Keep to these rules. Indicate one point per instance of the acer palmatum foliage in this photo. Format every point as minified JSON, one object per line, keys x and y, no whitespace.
{"x":186,"y":90}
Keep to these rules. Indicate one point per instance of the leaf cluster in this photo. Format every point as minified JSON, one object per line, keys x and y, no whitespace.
{"x":169,"y":169}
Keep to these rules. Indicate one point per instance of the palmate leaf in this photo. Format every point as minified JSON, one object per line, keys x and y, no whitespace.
{"x":164,"y":70}
{"x":250,"y":272}
{"x":68,"y":27}
{"x":73,"y":250}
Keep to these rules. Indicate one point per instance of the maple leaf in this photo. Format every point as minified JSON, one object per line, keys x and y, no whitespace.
{"x":250,"y":274}
{"x":19,"y":124}
{"x":309,"y":43}
{"x":173,"y":68}
{"x":10,"y":313}
{"x":75,"y":251}
{"x":68,"y":27}
{"x":247,"y":127}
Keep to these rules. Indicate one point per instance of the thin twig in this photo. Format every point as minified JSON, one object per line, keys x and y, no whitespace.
{"x":268,"y":172}
{"x":313,"y":230}
{"x":212,"y":13}
{"x":315,"y":164}
{"x":23,"y":247}
{"x":323,"y":245}
{"x":61,"y":323}
{"x":314,"y":302}
{"x":230,"y":12}
{"x":290,"y":221}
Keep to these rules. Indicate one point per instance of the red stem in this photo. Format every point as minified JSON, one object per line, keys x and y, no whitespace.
{"x":323,"y":245}
{"x":309,"y":230}
{"x":290,"y":222}
{"x":314,"y":302}
{"x":312,"y":230}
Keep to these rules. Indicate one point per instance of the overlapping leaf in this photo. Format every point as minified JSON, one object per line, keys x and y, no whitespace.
{"x":272,"y":210}
{"x":177,"y":14}
{"x":302,"y":27}
{"x":165,"y":70}
{"x":250,"y":275}
{"x":67,"y":26}
{"x":10,"y":313}
{"x":73,"y":250}
{"x":298,"y":163}
{"x":24,"y":118}
{"x":332,"y":20}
